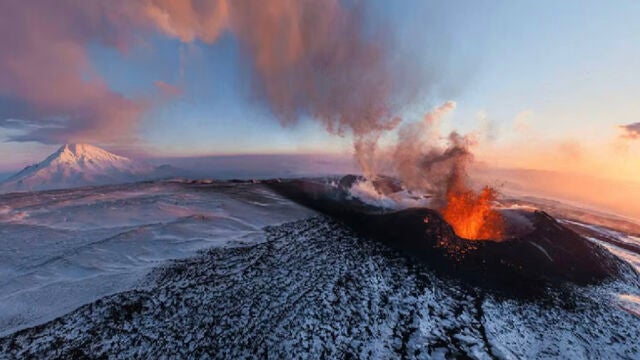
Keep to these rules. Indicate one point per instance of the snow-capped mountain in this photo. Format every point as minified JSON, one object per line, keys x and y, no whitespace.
{"x":74,"y":165}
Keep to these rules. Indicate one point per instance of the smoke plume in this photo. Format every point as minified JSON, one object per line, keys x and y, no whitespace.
{"x":421,"y":159}
{"x":329,"y":68}
{"x":429,"y":163}
{"x":309,"y":58}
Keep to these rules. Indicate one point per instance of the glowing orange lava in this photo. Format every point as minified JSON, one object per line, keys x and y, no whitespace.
{"x":471,"y":214}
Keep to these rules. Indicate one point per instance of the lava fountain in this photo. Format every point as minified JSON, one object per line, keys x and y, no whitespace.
{"x":472,"y":215}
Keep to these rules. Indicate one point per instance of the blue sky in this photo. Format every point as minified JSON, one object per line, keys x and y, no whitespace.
{"x":570,"y":67}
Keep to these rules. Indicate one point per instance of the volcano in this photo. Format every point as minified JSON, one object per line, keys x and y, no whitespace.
{"x":75,"y":165}
{"x":535,"y":252}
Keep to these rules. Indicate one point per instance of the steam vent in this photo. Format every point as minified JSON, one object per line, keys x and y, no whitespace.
{"x":534,"y":252}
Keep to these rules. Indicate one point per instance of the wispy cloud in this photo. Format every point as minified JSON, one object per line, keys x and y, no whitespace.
{"x":631,"y":131}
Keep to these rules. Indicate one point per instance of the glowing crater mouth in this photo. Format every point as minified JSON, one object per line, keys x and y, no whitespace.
{"x":514,"y":223}
{"x":472,"y":215}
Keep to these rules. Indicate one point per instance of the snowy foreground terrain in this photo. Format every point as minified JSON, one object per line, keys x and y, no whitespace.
{"x":231,"y":270}
{"x":62,"y":249}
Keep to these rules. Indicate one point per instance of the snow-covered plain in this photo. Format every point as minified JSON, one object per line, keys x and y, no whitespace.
{"x":92,"y":266}
{"x":62,"y":249}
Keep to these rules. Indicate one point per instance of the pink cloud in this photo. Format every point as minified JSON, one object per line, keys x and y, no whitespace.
{"x":43,"y":62}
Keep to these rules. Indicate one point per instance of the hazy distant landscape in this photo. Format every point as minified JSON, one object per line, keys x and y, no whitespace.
{"x":582,"y":190}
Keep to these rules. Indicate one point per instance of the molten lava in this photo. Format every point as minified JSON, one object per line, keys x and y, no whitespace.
{"x":471,"y":214}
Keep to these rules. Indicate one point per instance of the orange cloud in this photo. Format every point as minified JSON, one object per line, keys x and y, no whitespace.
{"x":189,"y":20}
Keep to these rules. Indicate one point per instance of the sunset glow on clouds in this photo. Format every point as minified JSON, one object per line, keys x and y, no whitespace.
{"x":555,"y":88}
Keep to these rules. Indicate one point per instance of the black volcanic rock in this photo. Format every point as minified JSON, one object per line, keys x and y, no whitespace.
{"x":314,"y":289}
{"x":544,"y":253}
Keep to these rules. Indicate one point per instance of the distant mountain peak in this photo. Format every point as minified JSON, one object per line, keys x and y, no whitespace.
{"x":80,"y":148}
{"x":74,"y":165}
{"x":84,"y":154}
{"x":83,"y":150}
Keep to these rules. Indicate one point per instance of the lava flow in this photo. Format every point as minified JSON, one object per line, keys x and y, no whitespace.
{"x":471,"y":214}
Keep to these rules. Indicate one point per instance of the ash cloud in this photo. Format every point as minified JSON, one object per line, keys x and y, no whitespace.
{"x":319,"y":59}
{"x":310,"y":58}
{"x":315,"y":59}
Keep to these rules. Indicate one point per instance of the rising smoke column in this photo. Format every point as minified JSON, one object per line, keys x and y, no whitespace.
{"x":313,"y":58}
{"x":417,"y":158}
{"x":430,"y":163}
{"x":309,"y":58}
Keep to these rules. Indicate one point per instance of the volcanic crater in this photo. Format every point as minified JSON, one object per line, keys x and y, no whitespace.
{"x":535,"y":252}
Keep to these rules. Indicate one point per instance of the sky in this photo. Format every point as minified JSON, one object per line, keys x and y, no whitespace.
{"x":542,"y":84}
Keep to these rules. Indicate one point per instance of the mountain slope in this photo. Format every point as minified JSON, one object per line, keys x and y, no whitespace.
{"x":74,"y":165}
{"x":315,"y":289}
